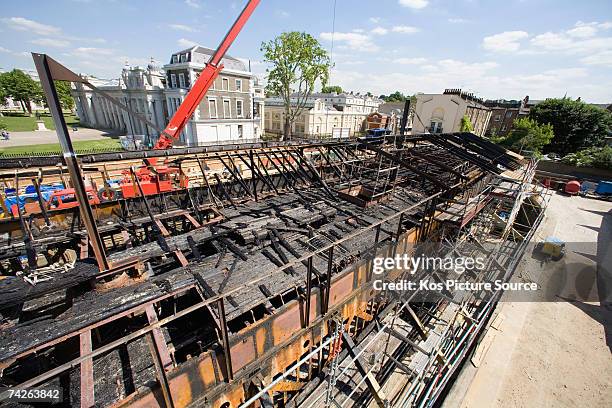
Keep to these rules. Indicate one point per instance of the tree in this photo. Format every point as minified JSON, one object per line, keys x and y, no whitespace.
{"x":298,"y":61}
{"x":21,"y":87}
{"x":528,"y":135}
{"x":466,"y":125}
{"x":396,"y":96}
{"x":63,"y":93}
{"x":576,"y":125}
{"x":332,"y":89}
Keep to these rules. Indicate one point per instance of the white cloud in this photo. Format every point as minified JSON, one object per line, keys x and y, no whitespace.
{"x":15,"y":53}
{"x":485,"y":78}
{"x":409,"y":61}
{"x":353,"y":41}
{"x":374,"y":20}
{"x":457,"y":20}
{"x":51,"y":42}
{"x":507,"y":41}
{"x":379,"y":31}
{"x":405,"y":29}
{"x":185,"y":43}
{"x":414,"y":4}
{"x":23,"y":24}
{"x":92,"y":52}
{"x":603,"y":58}
{"x":358,"y":30}
{"x":182,"y":27}
{"x":282,"y":13}
{"x":193,"y":3}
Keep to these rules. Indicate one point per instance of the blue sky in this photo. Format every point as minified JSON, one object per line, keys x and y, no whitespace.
{"x":495,"y":48}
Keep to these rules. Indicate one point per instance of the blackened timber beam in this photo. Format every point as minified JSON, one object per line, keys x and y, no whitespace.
{"x":261,"y":165}
{"x":158,"y":338}
{"x":405,"y":164}
{"x":370,"y":381}
{"x":315,"y":173}
{"x":255,"y":174}
{"x":436,"y":162}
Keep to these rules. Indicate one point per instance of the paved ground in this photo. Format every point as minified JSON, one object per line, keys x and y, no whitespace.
{"x":49,"y":136}
{"x":549,"y":354}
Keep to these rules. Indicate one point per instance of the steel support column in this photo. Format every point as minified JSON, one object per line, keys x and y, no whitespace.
{"x":46,"y":81}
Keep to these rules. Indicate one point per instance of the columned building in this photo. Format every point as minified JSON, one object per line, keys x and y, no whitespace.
{"x":140,"y":89}
{"x":324,"y":114}
{"x":231,"y":110}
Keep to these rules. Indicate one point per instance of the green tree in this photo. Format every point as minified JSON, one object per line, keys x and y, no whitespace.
{"x":528,"y":135}
{"x":466,"y":125}
{"x":396,"y":96}
{"x":63,"y":93}
{"x":298,"y":61}
{"x":331,"y":89}
{"x":576,"y":125}
{"x":21,"y":87}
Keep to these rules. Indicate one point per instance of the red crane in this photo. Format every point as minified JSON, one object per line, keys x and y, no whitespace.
{"x":155,"y":179}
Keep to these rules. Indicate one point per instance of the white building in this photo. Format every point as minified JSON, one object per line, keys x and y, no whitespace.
{"x":324,"y":114}
{"x":231,"y":110}
{"x":438,"y":113}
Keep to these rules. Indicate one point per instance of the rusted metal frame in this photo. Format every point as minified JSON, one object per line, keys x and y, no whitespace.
{"x":268,"y":174}
{"x":158,"y":338}
{"x":159,"y":370}
{"x":308,"y":291}
{"x":369,"y":379}
{"x":335,"y":168}
{"x":316,"y":174}
{"x":437,"y":162}
{"x":405,"y":164}
{"x":236,"y":176}
{"x":225,"y":192}
{"x":86,"y":369}
{"x":253,"y":179}
{"x":212,"y":197}
{"x":288,"y":182}
{"x":328,"y":279}
{"x":293,"y":172}
{"x":227,"y":355}
{"x":299,"y":167}
{"x":43,"y":67}
{"x":134,"y":310}
{"x":188,"y":309}
{"x":255,"y":172}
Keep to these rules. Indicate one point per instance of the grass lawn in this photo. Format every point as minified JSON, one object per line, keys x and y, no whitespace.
{"x":78,"y":145}
{"x":18,"y":122}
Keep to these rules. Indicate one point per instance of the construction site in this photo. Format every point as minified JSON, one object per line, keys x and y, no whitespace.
{"x":241,"y":274}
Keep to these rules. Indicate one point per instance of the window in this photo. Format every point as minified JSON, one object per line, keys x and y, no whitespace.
{"x":240,"y":131}
{"x":172,"y":81}
{"x":225,"y":84}
{"x":183,"y":57}
{"x":174,"y":59}
{"x":239,"y":108}
{"x":508,"y":114}
{"x":182,"y":80}
{"x":212,"y":108}
{"x":239,"y":85}
{"x":497,"y":118}
{"x":226,"y":108}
